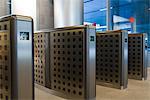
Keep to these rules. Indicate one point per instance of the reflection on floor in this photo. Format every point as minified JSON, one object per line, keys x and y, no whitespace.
{"x":42,"y":95}
{"x":137,"y":90}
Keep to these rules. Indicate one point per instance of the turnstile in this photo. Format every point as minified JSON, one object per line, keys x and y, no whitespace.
{"x":137,"y":56}
{"x":112,"y":59}
{"x":72,"y":61}
{"x":41,"y":58}
{"x":16,"y":58}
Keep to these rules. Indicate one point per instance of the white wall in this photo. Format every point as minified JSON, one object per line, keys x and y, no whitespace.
{"x":25,"y":7}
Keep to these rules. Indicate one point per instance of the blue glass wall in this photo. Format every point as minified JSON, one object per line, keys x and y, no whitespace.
{"x":95,"y":12}
{"x":131,"y":15}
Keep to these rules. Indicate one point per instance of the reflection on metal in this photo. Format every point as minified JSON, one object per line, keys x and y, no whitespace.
{"x":148,"y":59}
{"x":16,"y":58}
{"x":68,"y":13}
{"x":41,"y":58}
{"x":44,"y":14}
{"x":5,"y":7}
{"x":137,"y":56}
{"x":72,"y":61}
{"x":112,"y":59}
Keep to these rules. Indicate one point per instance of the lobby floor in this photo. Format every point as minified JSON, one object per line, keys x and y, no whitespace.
{"x":137,"y":90}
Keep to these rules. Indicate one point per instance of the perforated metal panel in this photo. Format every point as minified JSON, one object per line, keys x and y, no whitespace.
{"x":5,"y":69}
{"x":41,"y":53}
{"x":137,"y":57}
{"x":39,"y":58}
{"x":69,"y":70}
{"x":111,"y":65}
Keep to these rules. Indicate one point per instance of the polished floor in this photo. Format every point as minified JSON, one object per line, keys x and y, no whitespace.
{"x":137,"y":90}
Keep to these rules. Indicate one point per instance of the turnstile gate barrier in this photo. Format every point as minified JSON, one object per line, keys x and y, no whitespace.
{"x":72,"y":61}
{"x":137,"y":56}
{"x":112,"y":59}
{"x":16,"y":58}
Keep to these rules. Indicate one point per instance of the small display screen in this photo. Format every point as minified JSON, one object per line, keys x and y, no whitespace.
{"x":92,"y":38}
{"x":24,"y":35}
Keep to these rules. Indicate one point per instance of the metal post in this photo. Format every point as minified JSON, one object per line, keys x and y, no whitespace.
{"x":68,"y":13}
{"x":108,"y":20}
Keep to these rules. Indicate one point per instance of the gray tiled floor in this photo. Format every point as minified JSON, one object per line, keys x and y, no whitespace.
{"x":137,"y":90}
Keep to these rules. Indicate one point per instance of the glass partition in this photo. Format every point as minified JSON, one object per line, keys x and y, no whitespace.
{"x":95,"y":13}
{"x":130,"y":15}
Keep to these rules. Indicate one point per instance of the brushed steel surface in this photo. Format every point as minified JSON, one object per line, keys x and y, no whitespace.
{"x":90,"y":63}
{"x":4,"y":7}
{"x":137,"y":56}
{"x":124,"y":71}
{"x":68,"y":13}
{"x":24,"y":60}
{"x":44,"y":14}
{"x":112,"y":52}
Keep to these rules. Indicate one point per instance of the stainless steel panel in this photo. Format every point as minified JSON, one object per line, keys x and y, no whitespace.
{"x":90,"y":63}
{"x":20,"y":29}
{"x":68,"y":13}
{"x":112,"y":55}
{"x":72,"y":62}
{"x":24,"y":60}
{"x":44,"y":14}
{"x":4,"y":7}
{"x":41,"y":58}
{"x":137,"y":56}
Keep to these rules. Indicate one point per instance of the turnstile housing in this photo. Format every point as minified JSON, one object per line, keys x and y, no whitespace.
{"x":72,"y":61}
{"x":16,"y":58}
{"x":137,"y":56}
{"x":112,"y":59}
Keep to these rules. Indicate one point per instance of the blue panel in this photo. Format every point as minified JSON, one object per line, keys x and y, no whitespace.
{"x":95,"y":11}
